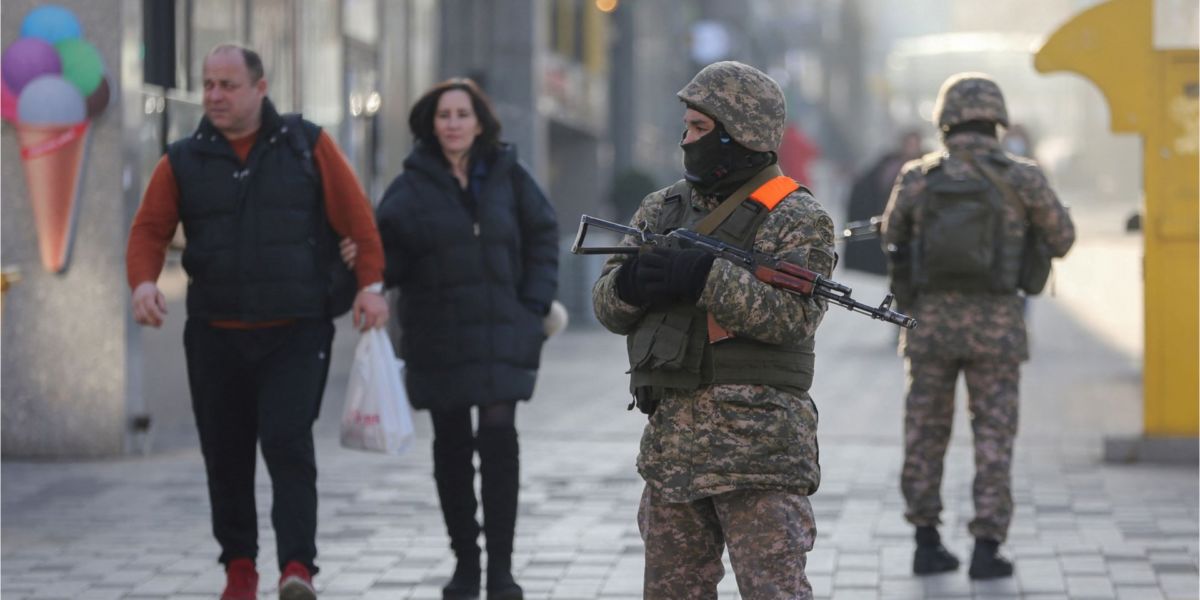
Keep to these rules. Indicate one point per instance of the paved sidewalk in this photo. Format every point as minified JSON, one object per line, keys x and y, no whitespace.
{"x":138,"y":527}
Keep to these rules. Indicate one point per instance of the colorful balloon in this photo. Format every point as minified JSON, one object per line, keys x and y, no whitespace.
{"x":81,"y":64}
{"x":51,"y":23}
{"x":8,"y":103}
{"x":50,"y":99}
{"x":27,"y":59}
{"x":98,"y":100}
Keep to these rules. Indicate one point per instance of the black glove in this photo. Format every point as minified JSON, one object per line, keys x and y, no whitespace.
{"x":664,"y":276}
{"x":669,"y":275}
{"x":629,"y":290}
{"x":687,"y":272}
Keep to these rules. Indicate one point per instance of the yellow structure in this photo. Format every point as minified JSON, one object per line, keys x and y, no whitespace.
{"x":1153,"y":93}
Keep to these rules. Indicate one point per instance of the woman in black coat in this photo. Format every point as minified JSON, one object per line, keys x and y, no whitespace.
{"x":472,"y":244}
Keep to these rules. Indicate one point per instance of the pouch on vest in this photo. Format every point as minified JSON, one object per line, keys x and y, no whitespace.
{"x":665,"y":343}
{"x":960,"y":239}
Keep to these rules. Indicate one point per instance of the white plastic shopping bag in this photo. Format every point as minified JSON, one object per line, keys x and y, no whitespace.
{"x":377,"y":417}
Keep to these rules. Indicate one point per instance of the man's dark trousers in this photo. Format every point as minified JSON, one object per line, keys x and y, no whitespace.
{"x":260,"y":385}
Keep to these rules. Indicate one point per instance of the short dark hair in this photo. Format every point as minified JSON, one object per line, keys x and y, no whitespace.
{"x":253,"y":61}
{"x":420,"y":120}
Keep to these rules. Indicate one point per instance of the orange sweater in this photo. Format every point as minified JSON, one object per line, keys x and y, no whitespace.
{"x":346,"y":205}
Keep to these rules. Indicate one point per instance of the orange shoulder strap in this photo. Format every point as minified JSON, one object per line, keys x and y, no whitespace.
{"x":774,"y":191}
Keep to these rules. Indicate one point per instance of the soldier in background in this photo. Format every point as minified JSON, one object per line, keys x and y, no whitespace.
{"x":729,"y":454}
{"x":869,"y":196}
{"x":955,"y":230}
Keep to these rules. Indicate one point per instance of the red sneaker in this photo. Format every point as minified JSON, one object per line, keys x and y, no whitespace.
{"x":241,"y":580}
{"x":296,"y":583}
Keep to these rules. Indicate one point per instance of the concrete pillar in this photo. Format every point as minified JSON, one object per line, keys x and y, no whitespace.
{"x":408,"y":68}
{"x":71,"y":361}
{"x":500,"y":45}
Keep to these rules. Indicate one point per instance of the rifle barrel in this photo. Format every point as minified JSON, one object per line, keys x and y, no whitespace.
{"x":881,"y":313}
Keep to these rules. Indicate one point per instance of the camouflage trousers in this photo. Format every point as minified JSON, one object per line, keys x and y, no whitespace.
{"x":769,"y":534}
{"x":929,"y":412}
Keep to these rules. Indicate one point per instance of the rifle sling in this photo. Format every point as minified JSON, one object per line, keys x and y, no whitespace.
{"x":713,"y":220}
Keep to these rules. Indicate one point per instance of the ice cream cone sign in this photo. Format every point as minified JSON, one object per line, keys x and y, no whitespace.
{"x":54,"y":84}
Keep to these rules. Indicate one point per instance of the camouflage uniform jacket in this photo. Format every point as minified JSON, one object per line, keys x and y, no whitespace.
{"x":721,"y":438}
{"x":980,"y":326}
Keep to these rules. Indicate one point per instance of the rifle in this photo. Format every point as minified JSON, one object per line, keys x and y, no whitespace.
{"x":861,"y":230}
{"x":781,"y":274}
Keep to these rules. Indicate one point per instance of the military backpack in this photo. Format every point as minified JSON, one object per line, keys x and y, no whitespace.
{"x":965,"y":242}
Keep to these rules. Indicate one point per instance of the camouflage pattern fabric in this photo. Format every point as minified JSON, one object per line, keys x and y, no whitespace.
{"x":929,"y":412}
{"x":745,"y":100}
{"x":956,"y":325}
{"x":969,"y":97}
{"x":722,"y":438}
{"x":732,"y":464}
{"x":769,"y":534}
{"x":980,"y":334}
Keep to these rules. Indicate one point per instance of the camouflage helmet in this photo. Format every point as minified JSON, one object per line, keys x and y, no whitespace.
{"x":969,"y":97}
{"x":745,"y":100}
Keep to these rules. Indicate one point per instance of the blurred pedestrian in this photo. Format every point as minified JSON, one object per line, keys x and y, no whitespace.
{"x":729,"y":454}
{"x":956,"y":230}
{"x":472,"y":245}
{"x":797,"y":154}
{"x":869,"y":196}
{"x":262,"y":198}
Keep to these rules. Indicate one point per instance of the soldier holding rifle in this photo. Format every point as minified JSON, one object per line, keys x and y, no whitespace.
{"x":729,"y":454}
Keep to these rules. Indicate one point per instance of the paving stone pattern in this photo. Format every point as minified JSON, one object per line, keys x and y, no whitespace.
{"x":138,"y":527}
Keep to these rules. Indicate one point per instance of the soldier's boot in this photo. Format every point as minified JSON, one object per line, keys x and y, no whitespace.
{"x":987,"y":562}
{"x":500,"y":469}
{"x":454,"y":472}
{"x":931,"y":556}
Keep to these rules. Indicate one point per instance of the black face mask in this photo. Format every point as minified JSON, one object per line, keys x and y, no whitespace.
{"x":716,"y":164}
{"x":708,"y":159}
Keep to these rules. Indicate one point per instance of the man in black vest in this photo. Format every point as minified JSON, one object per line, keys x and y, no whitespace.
{"x":729,"y":454}
{"x":262,"y":199}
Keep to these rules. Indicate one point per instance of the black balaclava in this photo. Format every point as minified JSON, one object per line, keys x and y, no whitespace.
{"x":987,"y":128}
{"x":718,"y":164}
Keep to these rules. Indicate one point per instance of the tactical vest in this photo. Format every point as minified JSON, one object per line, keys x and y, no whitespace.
{"x":963,"y":240}
{"x":670,"y":348}
{"x":256,"y":247}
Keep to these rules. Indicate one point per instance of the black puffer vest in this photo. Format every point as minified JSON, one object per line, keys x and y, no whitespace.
{"x":257,"y":241}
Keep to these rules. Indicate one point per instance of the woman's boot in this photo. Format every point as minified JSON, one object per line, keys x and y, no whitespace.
{"x":454,"y":472}
{"x":500,"y":467}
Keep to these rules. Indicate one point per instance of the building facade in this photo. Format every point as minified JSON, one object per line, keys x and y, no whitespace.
{"x":73,"y":368}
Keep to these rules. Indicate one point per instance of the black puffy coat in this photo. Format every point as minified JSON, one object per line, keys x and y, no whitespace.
{"x":474,"y":284}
